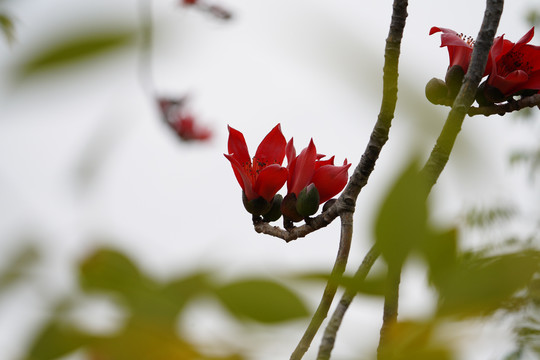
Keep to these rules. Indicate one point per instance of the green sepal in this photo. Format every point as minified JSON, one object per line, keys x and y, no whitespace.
{"x":257,"y":206}
{"x":308,"y":201}
{"x":275,"y":211}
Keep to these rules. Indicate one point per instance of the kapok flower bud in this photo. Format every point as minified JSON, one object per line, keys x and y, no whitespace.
{"x":275,"y":211}
{"x":308,"y":200}
{"x":436,"y":91}
{"x":258,"y":206}
{"x":454,"y":79}
{"x":288,"y":208}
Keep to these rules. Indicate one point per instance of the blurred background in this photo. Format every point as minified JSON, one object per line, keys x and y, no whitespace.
{"x":113,"y":227}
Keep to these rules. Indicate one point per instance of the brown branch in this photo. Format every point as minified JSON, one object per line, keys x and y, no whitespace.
{"x":331,"y":286}
{"x":378,"y":137}
{"x":441,"y":152}
{"x":500,"y":109}
{"x":329,"y":337}
{"x":390,"y":312}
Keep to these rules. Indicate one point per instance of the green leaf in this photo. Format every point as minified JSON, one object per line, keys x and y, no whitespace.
{"x":75,"y":49}
{"x":440,"y":251}
{"x":56,"y":340}
{"x":17,"y":266}
{"x":480,"y":286}
{"x":7,"y":27}
{"x":110,"y":271}
{"x":401,"y":221}
{"x":261,"y":300}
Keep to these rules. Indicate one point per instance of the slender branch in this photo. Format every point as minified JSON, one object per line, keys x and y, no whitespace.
{"x":441,"y":152}
{"x":500,"y":109}
{"x":329,"y":337}
{"x":378,"y":137}
{"x":365,"y":167}
{"x":331,"y":286}
{"x":390,"y":312}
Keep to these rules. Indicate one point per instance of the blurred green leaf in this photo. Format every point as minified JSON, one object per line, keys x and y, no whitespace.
{"x":75,"y":49}
{"x":479,"y":286}
{"x":56,"y":340}
{"x":440,"y":251}
{"x":373,"y":285}
{"x":401,"y":222}
{"x":7,"y":27}
{"x":17,"y":267}
{"x":487,"y":217}
{"x":413,"y":340}
{"x":109,"y":270}
{"x":261,"y":300}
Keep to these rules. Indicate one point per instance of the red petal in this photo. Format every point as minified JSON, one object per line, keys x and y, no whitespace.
{"x":511,"y":83}
{"x":290,"y":151}
{"x":330,"y":180}
{"x":533,"y":82}
{"x":304,"y":169}
{"x":270,"y":180}
{"x":243,"y":179}
{"x":272,"y":149}
{"x":527,"y":37}
{"x":237,"y":146}
{"x":320,"y":163}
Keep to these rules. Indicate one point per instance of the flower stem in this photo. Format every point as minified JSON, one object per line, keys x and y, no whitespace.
{"x":331,"y":287}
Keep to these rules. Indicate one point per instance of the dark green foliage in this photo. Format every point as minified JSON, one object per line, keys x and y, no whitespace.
{"x":7,"y":27}
{"x":75,"y":49}
{"x":261,"y":300}
{"x":478,"y":286}
{"x":401,"y":222}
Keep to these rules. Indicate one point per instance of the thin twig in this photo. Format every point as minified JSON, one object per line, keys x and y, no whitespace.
{"x":145,"y":57}
{"x":390,"y":312}
{"x":441,"y":152}
{"x":329,"y":337}
{"x":331,"y":286}
{"x":499,"y":109}
{"x":365,"y":167}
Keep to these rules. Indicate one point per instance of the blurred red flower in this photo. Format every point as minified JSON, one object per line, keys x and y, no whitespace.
{"x":459,"y":47}
{"x":263,"y":176}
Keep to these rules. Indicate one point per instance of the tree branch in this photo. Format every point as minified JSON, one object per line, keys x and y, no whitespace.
{"x":500,"y":109}
{"x":441,"y":152}
{"x":331,"y":287}
{"x":329,"y":337}
{"x":390,"y":313}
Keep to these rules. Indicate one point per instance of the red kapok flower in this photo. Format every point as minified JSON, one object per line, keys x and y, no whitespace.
{"x":515,"y":67}
{"x":263,"y":175}
{"x":186,"y":127}
{"x":310,"y":168}
{"x":459,"y":47}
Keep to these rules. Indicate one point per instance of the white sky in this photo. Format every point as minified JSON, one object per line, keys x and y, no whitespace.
{"x":313,"y":66}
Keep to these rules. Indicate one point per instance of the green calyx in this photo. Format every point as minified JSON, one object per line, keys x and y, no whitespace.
{"x":308,"y":201}
{"x":257,"y":206}
{"x":275,"y":210}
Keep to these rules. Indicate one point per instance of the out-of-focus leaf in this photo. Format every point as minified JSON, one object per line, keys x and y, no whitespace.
{"x":109,"y":270}
{"x":440,"y":251}
{"x":401,"y":222}
{"x":484,"y":218}
{"x":373,"y":285}
{"x":178,"y":292}
{"x":413,"y":340}
{"x":480,"y":286}
{"x":261,"y":300}
{"x":17,"y":266}
{"x":56,"y":340}
{"x":75,"y":49}
{"x":7,"y":27}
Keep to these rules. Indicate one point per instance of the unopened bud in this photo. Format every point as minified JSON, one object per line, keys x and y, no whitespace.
{"x":288,"y":208}
{"x":257,"y":206}
{"x":275,"y":211}
{"x":436,"y":91}
{"x":454,"y":79}
{"x":308,"y":200}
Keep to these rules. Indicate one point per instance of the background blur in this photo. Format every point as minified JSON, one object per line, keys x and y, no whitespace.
{"x":86,"y":161}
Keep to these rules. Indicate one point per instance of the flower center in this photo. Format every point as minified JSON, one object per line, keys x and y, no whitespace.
{"x":468,"y":39}
{"x":512,"y":61}
{"x":254,"y":168}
